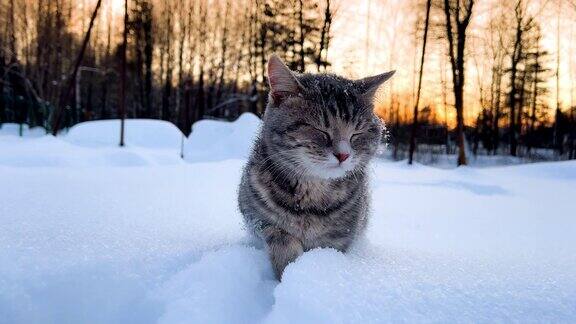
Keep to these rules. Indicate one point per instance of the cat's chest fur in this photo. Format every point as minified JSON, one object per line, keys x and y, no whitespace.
{"x":311,"y":216}
{"x":300,"y":197}
{"x":311,"y":210}
{"x":311,"y":194}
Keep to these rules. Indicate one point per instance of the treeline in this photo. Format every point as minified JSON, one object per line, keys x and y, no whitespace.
{"x":515,"y":115}
{"x":185,"y":59}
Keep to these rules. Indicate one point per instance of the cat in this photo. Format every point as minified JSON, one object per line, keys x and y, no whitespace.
{"x":305,"y":183}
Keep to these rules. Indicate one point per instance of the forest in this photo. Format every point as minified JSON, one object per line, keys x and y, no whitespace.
{"x":475,"y":77}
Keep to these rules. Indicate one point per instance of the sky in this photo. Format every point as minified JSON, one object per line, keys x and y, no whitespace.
{"x":374,"y":36}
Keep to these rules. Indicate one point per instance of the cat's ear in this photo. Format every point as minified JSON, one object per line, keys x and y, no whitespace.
{"x":368,"y":86}
{"x":282,"y":81}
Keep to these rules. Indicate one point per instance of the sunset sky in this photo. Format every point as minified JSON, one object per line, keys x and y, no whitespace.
{"x":374,"y":36}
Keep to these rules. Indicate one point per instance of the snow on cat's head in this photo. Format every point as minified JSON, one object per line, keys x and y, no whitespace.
{"x":322,"y":125}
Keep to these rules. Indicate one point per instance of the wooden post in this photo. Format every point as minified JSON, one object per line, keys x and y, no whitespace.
{"x":122,"y":105}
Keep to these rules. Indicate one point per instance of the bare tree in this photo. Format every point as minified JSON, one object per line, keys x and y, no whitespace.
{"x":68,"y":92}
{"x":105,"y":99}
{"x":496,"y":44}
{"x":182,"y":37}
{"x":558,"y":112}
{"x":321,"y":59}
{"x":417,"y":101}
{"x":12,"y":33}
{"x":167,"y":62}
{"x":223,"y":52}
{"x":523,"y":24}
{"x":458,"y":14}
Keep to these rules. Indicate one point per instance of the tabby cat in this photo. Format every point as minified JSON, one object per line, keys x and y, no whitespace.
{"x":305,"y":184}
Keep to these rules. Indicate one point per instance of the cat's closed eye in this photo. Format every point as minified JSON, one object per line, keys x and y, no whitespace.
{"x":355,"y":136}
{"x":316,"y":134}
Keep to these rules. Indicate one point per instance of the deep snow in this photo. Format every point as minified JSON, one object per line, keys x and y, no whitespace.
{"x":93,"y":233}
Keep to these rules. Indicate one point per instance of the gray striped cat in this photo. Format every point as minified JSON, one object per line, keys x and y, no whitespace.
{"x":305,"y":184}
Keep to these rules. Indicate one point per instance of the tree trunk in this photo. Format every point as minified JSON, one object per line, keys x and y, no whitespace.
{"x":180,"y":85}
{"x":457,"y":63}
{"x":223,"y":53}
{"x":12,"y":34}
{"x":167,"y":91}
{"x":66,"y":98}
{"x":324,"y":36}
{"x":415,"y":116}
{"x":148,"y":56}
{"x":496,"y":133}
{"x":301,"y":62}
{"x":534,"y":98}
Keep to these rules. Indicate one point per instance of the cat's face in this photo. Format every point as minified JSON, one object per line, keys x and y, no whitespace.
{"x":321,"y":125}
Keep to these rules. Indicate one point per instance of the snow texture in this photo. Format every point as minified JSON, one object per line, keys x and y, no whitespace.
{"x":149,"y":133}
{"x":11,"y":129}
{"x":214,"y":140}
{"x":93,"y":233}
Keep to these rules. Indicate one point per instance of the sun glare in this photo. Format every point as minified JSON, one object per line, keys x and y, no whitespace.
{"x":117,"y":7}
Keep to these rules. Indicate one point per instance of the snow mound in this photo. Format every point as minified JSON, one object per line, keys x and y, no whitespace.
{"x":207,"y":292}
{"x":94,"y":144}
{"x":49,"y":151}
{"x":12,"y":129}
{"x":213,"y":140}
{"x":389,"y":286}
{"x":149,"y":133}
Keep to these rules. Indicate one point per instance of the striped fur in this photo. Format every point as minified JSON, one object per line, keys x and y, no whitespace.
{"x":294,"y":194}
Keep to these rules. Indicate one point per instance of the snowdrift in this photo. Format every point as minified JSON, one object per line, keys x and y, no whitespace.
{"x":12,"y":129}
{"x":147,"y":142}
{"x":213,"y":140}
{"x":48,"y":151}
{"x":149,"y":133}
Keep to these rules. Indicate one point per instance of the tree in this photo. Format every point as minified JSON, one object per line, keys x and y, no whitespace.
{"x":165,"y":113}
{"x":496,"y":44}
{"x":458,"y":14}
{"x":321,"y":60}
{"x":206,"y":60}
{"x":141,"y":23}
{"x":522,"y":25}
{"x":415,"y":115}
{"x":68,"y":92}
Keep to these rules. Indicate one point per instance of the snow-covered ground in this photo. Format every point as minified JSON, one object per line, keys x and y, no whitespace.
{"x":93,"y":233}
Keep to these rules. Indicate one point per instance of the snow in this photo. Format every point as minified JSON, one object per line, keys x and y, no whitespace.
{"x":95,"y":143}
{"x":148,"y":133}
{"x":435,"y":155}
{"x":14,"y":130}
{"x":94,"y":233}
{"x":215,"y":140}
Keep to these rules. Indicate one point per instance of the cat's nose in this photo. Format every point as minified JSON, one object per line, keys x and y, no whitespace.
{"x":341,"y":156}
